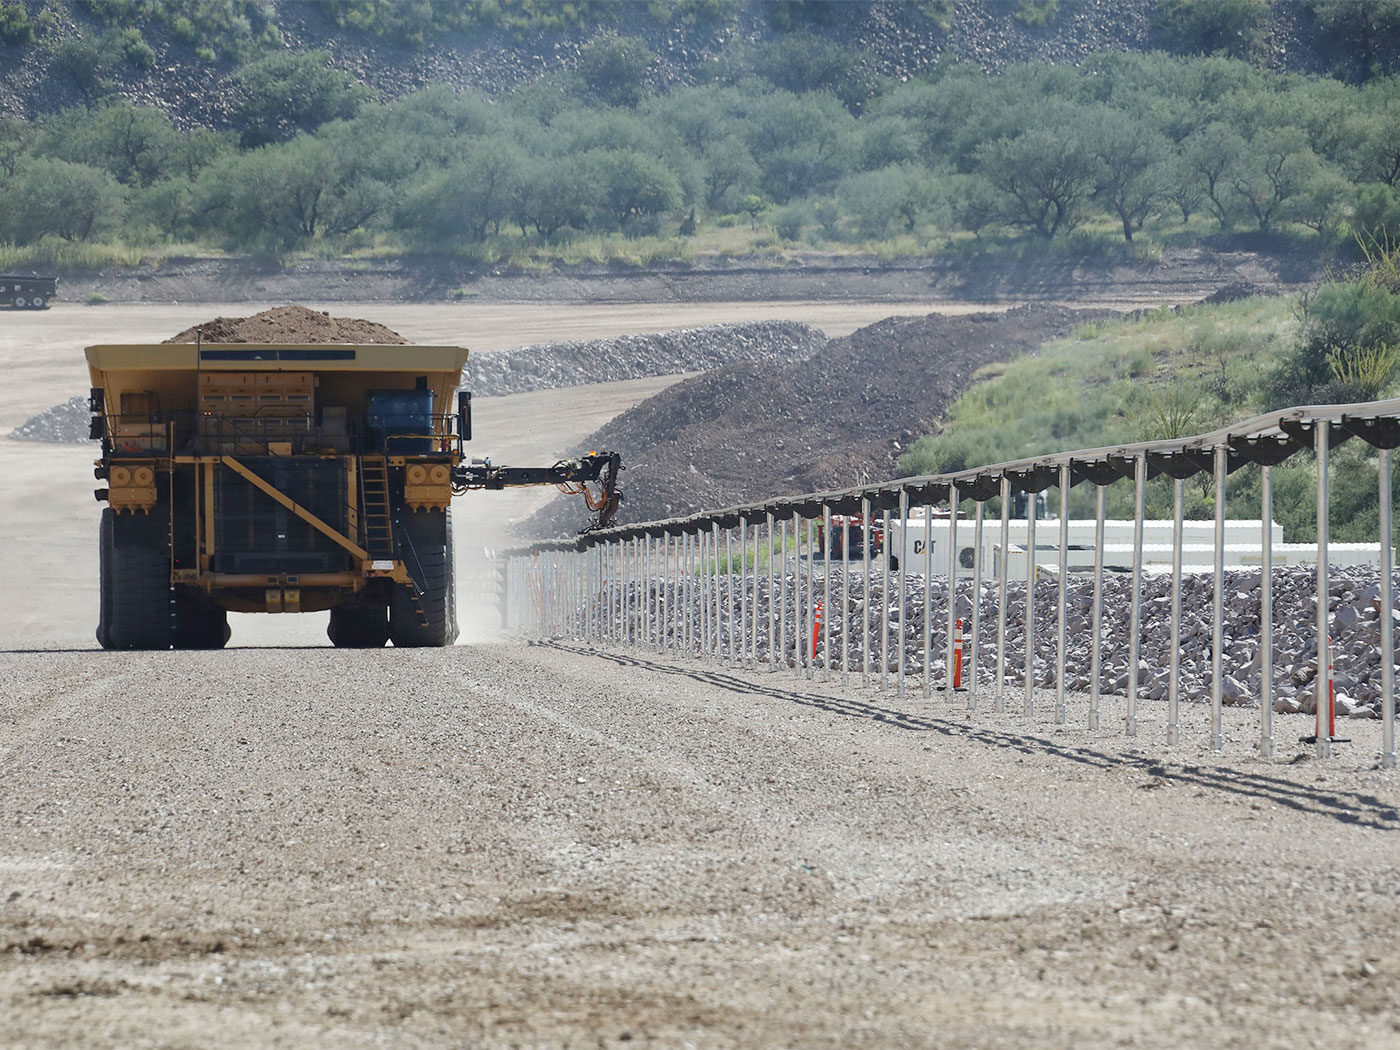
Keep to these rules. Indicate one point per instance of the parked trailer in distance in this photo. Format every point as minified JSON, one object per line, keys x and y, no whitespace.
{"x":27,"y":293}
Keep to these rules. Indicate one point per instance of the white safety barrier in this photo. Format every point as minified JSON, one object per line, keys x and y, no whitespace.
{"x":757,"y":586}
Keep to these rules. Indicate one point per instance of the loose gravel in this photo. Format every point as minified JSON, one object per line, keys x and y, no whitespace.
{"x":510,"y":846}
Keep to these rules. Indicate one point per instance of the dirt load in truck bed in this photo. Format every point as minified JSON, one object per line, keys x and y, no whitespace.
{"x":289,"y":324}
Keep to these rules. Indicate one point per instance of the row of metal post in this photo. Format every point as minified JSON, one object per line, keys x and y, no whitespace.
{"x":690,"y":594}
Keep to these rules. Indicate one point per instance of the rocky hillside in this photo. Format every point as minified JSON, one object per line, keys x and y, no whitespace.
{"x":55,"y":55}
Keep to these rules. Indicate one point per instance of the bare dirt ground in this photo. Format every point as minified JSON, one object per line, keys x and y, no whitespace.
{"x":502,"y":845}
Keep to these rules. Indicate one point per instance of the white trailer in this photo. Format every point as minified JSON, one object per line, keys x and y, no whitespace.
{"x":1243,"y":546}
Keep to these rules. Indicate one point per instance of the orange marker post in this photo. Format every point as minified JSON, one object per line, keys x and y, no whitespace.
{"x":957,"y":655}
{"x":816,"y":630}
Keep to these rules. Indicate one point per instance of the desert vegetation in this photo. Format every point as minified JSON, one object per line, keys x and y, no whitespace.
{"x":793,"y":142}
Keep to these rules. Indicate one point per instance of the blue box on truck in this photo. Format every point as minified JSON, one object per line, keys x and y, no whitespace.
{"x":396,"y":415}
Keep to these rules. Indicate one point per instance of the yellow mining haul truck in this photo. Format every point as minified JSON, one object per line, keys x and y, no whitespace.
{"x":289,"y":478}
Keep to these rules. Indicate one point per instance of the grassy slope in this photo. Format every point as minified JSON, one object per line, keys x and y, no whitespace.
{"x":1167,"y":373}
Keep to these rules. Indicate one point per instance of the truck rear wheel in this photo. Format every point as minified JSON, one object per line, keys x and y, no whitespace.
{"x":425,"y":545}
{"x":359,"y":627}
{"x":105,"y":574}
{"x":139,"y":608}
{"x":199,"y":625}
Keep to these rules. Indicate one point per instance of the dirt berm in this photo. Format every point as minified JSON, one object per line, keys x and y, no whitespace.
{"x":841,"y":417}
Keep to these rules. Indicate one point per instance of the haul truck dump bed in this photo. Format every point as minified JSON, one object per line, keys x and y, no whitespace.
{"x":288,"y":478}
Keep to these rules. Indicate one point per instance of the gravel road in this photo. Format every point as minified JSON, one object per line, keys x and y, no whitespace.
{"x":502,"y":845}
{"x":515,"y":846}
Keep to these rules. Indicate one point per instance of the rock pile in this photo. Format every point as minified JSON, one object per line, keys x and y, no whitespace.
{"x":1354,"y":606}
{"x":838,"y":418}
{"x":64,"y":424}
{"x":548,"y":366}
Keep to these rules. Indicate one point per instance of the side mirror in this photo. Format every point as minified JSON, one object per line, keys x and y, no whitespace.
{"x":464,"y":414}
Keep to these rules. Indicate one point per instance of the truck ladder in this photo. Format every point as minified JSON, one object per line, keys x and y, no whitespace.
{"x":374,"y":507}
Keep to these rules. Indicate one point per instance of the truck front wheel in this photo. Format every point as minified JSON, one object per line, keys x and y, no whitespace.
{"x":425,"y":616}
{"x":139,"y":579}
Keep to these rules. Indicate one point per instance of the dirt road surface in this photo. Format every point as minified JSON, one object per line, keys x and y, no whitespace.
{"x":501,"y":845}
{"x":512,"y":846}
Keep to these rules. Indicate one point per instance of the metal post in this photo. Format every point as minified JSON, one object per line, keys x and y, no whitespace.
{"x":589,"y":590}
{"x":1096,"y":640}
{"x":1135,"y":615}
{"x":692,"y":641}
{"x":1062,"y":596}
{"x":865,"y":557}
{"x":1217,"y":632}
{"x":1030,"y":603}
{"x":668,"y":583}
{"x":772,"y":595}
{"x":753,"y":602}
{"x":648,"y":591}
{"x":728,"y":584}
{"x":797,"y":639}
{"x":885,"y":603}
{"x":1000,"y":684}
{"x":1174,"y":623}
{"x":811,"y":595}
{"x":702,"y":539}
{"x":1387,"y":619}
{"x":970,"y":666}
{"x":845,"y":601}
{"x":928,"y":601}
{"x":1321,"y":436}
{"x":826,"y":593}
{"x":783,"y":590}
{"x":900,"y":579}
{"x":716,"y":618}
{"x":743,"y":592}
{"x":952,"y":615}
{"x":1266,"y":614}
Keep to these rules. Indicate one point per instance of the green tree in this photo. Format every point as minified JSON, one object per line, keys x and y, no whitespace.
{"x":1213,"y":154}
{"x":803,"y":62}
{"x":551,"y":194}
{"x":137,"y":144}
{"x":1235,"y":27}
{"x":471,"y":198}
{"x":1281,"y":179}
{"x":894,"y":196}
{"x":276,"y":197}
{"x":628,"y":187}
{"x":1376,"y":218}
{"x":802,"y":143}
{"x":290,"y":92}
{"x":1350,"y":329}
{"x":1044,"y":174}
{"x":614,"y":69}
{"x":51,"y":196}
{"x":1131,"y":155}
{"x":16,"y":137}
{"x":1373,"y":133}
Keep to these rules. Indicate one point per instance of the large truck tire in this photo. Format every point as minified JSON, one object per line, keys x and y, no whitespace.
{"x":105,"y":573}
{"x":359,"y":627}
{"x":199,"y":625}
{"x":141,"y":595}
{"x":425,"y":545}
